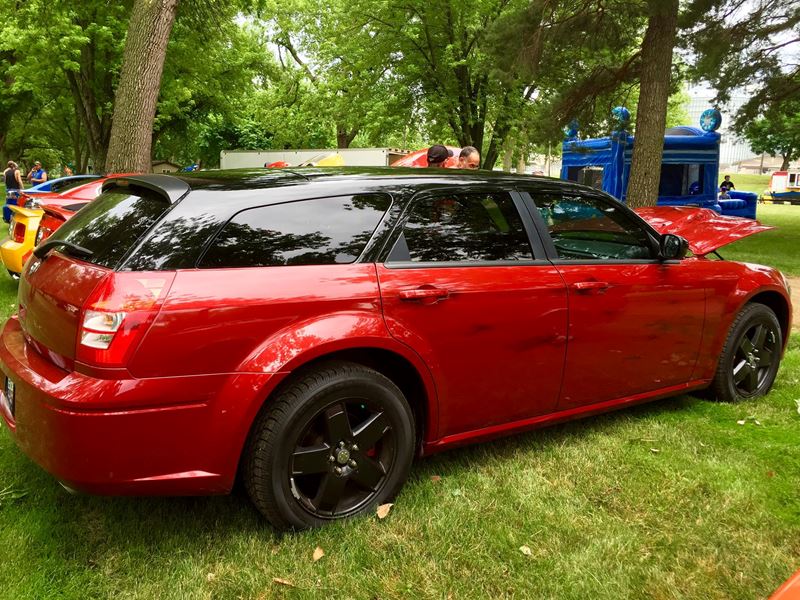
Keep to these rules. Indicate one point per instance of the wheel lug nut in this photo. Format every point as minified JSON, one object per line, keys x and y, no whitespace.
{"x":341,"y":444}
{"x":352,"y":463}
{"x":338,"y":470}
{"x":355,"y":448}
{"x":331,"y":458}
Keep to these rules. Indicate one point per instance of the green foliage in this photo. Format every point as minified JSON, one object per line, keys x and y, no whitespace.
{"x":777,"y":132}
{"x":739,"y":44}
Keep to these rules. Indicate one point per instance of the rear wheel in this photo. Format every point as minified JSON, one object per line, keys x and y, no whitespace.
{"x":751,"y":356}
{"x":335,"y":443}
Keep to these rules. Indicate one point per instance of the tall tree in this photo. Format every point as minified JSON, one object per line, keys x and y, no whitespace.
{"x":746,"y":44}
{"x":654,"y":92}
{"x":777,"y":133}
{"x":139,"y":84}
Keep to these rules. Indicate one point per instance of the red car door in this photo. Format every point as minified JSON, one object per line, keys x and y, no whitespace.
{"x":635,"y":323}
{"x":461,"y":286}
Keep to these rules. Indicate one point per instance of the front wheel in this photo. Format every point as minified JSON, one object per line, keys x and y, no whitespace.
{"x":751,"y":356}
{"x":336,"y":442}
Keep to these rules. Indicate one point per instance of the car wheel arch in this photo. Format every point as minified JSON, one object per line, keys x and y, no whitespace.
{"x":397,"y":363}
{"x":778,"y":303}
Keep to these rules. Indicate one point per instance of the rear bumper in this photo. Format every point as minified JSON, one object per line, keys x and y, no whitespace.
{"x":162,"y":436}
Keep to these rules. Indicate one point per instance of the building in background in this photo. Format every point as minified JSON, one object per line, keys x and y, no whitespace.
{"x":732,"y":150}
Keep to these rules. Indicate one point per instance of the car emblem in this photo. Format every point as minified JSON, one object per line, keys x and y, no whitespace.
{"x":34,"y":267}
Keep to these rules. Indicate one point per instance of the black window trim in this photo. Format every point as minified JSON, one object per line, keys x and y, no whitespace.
{"x":534,"y":240}
{"x":552,"y":253}
{"x":368,"y":247}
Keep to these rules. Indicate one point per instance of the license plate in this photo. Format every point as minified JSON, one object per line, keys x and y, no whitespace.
{"x":7,"y":397}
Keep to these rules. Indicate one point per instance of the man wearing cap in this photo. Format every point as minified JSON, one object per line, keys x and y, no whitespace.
{"x":437,"y":155}
{"x":37,"y":174}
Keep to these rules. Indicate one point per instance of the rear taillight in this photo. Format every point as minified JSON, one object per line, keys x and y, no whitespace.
{"x":117,"y":314}
{"x":42,"y":234}
{"x":18,"y":231}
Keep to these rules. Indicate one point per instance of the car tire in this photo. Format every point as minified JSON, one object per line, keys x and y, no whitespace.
{"x":335,"y":442}
{"x":755,"y":338}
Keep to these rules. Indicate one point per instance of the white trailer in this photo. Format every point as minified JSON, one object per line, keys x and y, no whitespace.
{"x":352,"y":157}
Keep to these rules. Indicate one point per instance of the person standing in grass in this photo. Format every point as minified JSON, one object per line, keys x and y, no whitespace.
{"x":38,"y":174}
{"x":12,"y":177}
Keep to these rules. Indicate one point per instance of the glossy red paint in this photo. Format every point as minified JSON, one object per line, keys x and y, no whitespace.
{"x":519,"y":314}
{"x":704,"y":229}
{"x":790,"y":590}
{"x":420,"y":159}
{"x":498,"y":348}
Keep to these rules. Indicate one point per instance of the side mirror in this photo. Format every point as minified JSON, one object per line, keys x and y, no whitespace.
{"x":672,"y":247}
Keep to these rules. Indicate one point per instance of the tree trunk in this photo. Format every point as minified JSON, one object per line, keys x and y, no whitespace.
{"x":344,"y":137}
{"x":786,"y":160}
{"x":139,"y":85}
{"x":651,"y":113}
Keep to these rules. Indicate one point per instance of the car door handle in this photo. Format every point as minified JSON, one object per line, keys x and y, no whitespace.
{"x":429,"y":293}
{"x":590,"y":287}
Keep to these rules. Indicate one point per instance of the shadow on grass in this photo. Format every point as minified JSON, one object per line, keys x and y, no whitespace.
{"x":86,"y":526}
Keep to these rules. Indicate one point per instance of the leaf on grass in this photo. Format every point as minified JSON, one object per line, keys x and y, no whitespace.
{"x":318,"y":553}
{"x":756,"y":421}
{"x":655,"y":450}
{"x":383,"y":510}
{"x":798,"y":406}
{"x":281,"y":581}
{"x":10,"y":494}
{"x":526,"y":550}
{"x":436,"y":478}
{"x":770,"y":474}
{"x":742,"y":422}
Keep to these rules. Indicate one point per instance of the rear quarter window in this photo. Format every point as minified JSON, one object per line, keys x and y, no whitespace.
{"x":111,"y":225}
{"x":308,"y":232}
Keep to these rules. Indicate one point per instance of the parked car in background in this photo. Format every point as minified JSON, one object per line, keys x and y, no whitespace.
{"x":54,"y":186}
{"x":25,"y":219}
{"x":314,"y":330}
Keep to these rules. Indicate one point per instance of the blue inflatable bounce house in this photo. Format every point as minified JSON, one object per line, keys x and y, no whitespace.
{"x":689,"y":169}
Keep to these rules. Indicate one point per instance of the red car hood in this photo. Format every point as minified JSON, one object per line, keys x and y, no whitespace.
{"x":704,"y":229}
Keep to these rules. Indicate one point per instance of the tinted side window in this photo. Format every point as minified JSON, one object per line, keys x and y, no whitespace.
{"x":310,"y":232}
{"x":463,"y":227}
{"x":587,"y":228}
{"x":111,"y":225}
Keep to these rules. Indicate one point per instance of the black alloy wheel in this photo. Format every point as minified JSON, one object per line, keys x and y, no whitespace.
{"x":754,"y":357}
{"x":334,"y":442}
{"x":341,"y":458}
{"x":750,"y":359}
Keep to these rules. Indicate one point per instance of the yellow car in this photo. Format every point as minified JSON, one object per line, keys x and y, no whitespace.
{"x":21,"y":237}
{"x":24,"y":226}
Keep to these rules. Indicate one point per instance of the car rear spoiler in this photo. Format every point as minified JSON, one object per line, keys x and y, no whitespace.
{"x":171,"y":189}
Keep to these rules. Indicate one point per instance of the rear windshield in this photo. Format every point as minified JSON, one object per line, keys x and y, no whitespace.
{"x":111,"y":225}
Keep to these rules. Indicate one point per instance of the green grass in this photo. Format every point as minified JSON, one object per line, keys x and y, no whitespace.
{"x":673,"y":499}
{"x":775,"y":248}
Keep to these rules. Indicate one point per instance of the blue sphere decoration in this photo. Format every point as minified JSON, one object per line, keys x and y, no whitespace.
{"x":710,"y":120}
{"x":621,"y":117}
{"x":571,"y":130}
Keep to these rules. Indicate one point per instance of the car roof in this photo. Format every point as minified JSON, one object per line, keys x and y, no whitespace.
{"x":263,"y":178}
{"x":255,"y":179}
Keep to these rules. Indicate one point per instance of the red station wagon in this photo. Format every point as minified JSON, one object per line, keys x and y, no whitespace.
{"x":315,"y":330}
